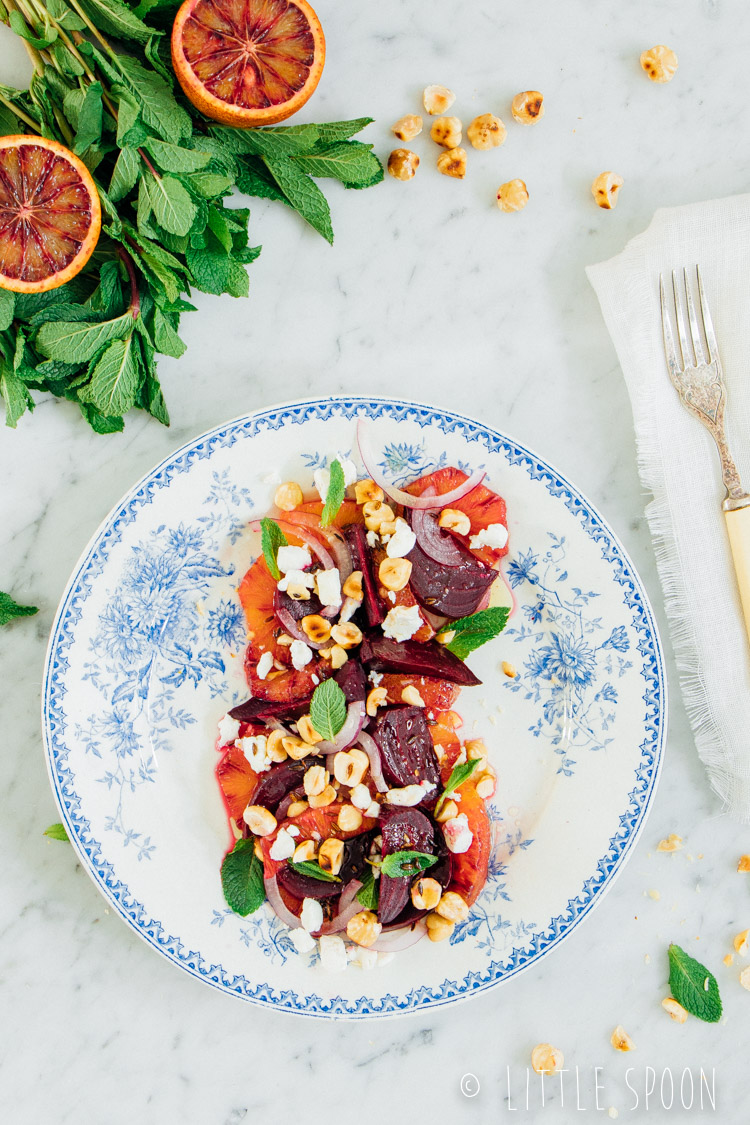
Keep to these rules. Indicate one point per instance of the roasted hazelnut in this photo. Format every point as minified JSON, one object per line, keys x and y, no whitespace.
{"x":512,"y":196}
{"x":527,"y":107}
{"x":486,"y":131}
{"x":407,"y":128}
{"x":605,"y":189}
{"x":437,"y":99}
{"x":446,"y":131}
{"x":659,"y":63}
{"x":403,"y":164}
{"x":452,"y":162}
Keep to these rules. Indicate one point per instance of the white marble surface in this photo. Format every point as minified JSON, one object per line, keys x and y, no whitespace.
{"x":429,"y":292}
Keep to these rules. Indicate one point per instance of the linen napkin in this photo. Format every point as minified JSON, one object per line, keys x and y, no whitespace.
{"x":679,"y":466}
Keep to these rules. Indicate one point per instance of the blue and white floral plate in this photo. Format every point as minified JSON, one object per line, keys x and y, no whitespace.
{"x":146,"y":656}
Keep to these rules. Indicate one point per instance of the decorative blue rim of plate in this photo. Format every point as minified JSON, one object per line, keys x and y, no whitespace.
{"x":79,"y":588}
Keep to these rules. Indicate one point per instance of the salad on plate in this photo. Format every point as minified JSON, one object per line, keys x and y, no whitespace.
{"x":358,"y":811}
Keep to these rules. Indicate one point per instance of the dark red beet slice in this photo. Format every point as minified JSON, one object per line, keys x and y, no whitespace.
{"x":454,"y":591}
{"x":296,"y":609}
{"x":352,"y":681}
{"x":355,"y":850}
{"x":274,"y":784}
{"x":304,"y":886}
{"x":405,"y":830}
{"x":419,"y":658}
{"x":356,"y":537}
{"x":407,"y":754}
{"x":261,"y":710}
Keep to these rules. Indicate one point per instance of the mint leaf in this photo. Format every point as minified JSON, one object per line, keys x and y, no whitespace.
{"x":89,"y":119}
{"x":271,"y":538}
{"x":341,"y":130}
{"x":56,"y":832}
{"x":158,"y":107}
{"x":369,"y":894}
{"x":75,"y":342}
{"x":10,"y":610}
{"x":125,"y":175}
{"x":7,"y":308}
{"x":165,"y":336}
{"x":172,"y":206}
{"x":328,"y":709}
{"x":348,"y":161}
{"x":398,"y":864}
{"x":304,"y":195}
{"x":459,"y":775}
{"x":693,"y":986}
{"x":116,"y":18}
{"x":334,"y":495}
{"x":314,"y":871}
{"x":115,"y":377}
{"x":15,"y":396}
{"x":242,"y":879}
{"x":174,"y":158}
{"x":18,"y":24}
{"x":476,"y":630}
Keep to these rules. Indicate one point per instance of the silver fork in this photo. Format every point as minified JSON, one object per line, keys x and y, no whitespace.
{"x":700,"y":384}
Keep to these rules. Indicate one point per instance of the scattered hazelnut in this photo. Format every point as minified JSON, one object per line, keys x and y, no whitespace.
{"x":512,"y":196}
{"x":620,"y":1039}
{"x":407,"y":128}
{"x":740,"y":943}
{"x":546,"y":1059}
{"x":745,"y":978}
{"x":673,"y":843}
{"x":660,"y":63}
{"x":743,"y":864}
{"x":676,"y":1011}
{"x":446,"y":131}
{"x":437,"y":99}
{"x":605,"y":189}
{"x":403,"y":164}
{"x":527,"y":107}
{"x":486,"y":131}
{"x":452,"y":162}
{"x":288,"y":496}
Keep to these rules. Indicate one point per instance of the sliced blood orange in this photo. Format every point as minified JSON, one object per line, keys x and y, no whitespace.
{"x":50,"y":214}
{"x":481,"y":505}
{"x":248,"y":62}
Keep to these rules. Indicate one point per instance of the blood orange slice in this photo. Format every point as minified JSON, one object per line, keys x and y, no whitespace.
{"x":50,"y":214}
{"x":248,"y":62}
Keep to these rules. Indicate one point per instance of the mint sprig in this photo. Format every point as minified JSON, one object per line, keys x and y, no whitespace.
{"x":693,"y":986}
{"x":271,"y":538}
{"x":56,"y":832}
{"x":242,"y":879}
{"x":398,"y":864}
{"x":334,"y":495}
{"x":10,"y":610}
{"x":476,"y":630}
{"x":328,"y":709}
{"x":314,"y":871}
{"x":369,"y":893}
{"x":459,"y":775}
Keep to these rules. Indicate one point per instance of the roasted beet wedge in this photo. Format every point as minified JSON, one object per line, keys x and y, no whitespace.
{"x":304,"y":886}
{"x":261,"y":710}
{"x":453,"y":591}
{"x":352,"y":681}
{"x":296,"y":609}
{"x":407,"y":755}
{"x":274,"y":784}
{"x":381,"y":654}
{"x":356,"y":537}
{"x":405,"y":830}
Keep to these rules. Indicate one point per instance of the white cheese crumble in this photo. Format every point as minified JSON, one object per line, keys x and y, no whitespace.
{"x":311,"y":915}
{"x":328,"y":587}
{"x":332,"y":953}
{"x":350,"y":607}
{"x":365,"y":958}
{"x":402,"y":540}
{"x":322,"y":477}
{"x":293,"y":558}
{"x":296,"y":578}
{"x":392,"y":597}
{"x":302,"y":941}
{"x":300,"y":653}
{"x":402,"y":622}
{"x":373,"y":810}
{"x":496,"y":536}
{"x":293,"y":830}
{"x":360,"y":797}
{"x":375,"y":678}
{"x":409,"y":795}
{"x":458,"y":835}
{"x":264,"y":665}
{"x":283,"y":846}
{"x":255,"y":750}
{"x":229,"y":728}
{"x":373,"y":538}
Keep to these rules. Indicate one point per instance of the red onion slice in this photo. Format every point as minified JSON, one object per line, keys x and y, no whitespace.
{"x":355,"y":720}
{"x":273,"y":894}
{"x":435,"y":542}
{"x":372,"y":750}
{"x":445,"y":498}
{"x":333,"y":537}
{"x":396,"y":940}
{"x":295,"y":795}
{"x":293,"y":629}
{"x":349,"y":905}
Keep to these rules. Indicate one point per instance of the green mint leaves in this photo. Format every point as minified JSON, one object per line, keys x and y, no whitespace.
{"x":56,"y":832}
{"x":271,"y":538}
{"x":398,"y":864}
{"x":10,"y":610}
{"x":328,"y":709}
{"x":476,"y":630}
{"x":242,"y":879}
{"x":314,"y":871}
{"x":334,"y":495}
{"x":459,"y":775}
{"x":369,"y":893}
{"x":693,"y":986}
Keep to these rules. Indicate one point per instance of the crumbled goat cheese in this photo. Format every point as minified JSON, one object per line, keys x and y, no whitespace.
{"x":293,"y":558}
{"x":458,"y":835}
{"x":311,"y":915}
{"x":349,"y":608}
{"x":360,"y":797}
{"x":283,"y":846}
{"x":402,"y":622}
{"x":409,"y":795}
{"x":322,"y":477}
{"x":300,"y":653}
{"x":373,"y":810}
{"x":402,"y":540}
{"x":365,"y":958}
{"x":302,"y":941}
{"x":296,"y":578}
{"x":229,"y":728}
{"x":328,"y":586}
{"x":495,"y":536}
{"x":332,"y":953}
{"x":255,"y":750}
{"x":264,"y":665}
{"x":375,"y":678}
{"x":373,"y":538}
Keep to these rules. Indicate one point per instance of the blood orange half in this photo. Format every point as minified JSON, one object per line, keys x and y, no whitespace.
{"x":248,"y":62}
{"x":50,"y":214}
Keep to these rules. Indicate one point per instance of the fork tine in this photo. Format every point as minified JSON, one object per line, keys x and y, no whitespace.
{"x":673,"y":365}
{"x":708,"y":324}
{"x":694,"y":329}
{"x":680,"y":321}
